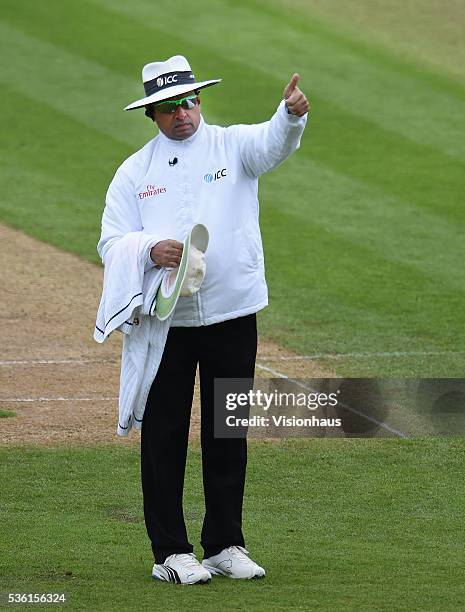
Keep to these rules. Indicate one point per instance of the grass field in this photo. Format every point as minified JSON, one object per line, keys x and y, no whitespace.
{"x":390,"y":539}
{"x":363,"y":232}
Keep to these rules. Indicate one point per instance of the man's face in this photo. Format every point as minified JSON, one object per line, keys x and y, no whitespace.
{"x":181,"y":124}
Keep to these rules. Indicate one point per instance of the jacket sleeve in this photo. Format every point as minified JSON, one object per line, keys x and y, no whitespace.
{"x":121,"y":215}
{"x":264,"y":146}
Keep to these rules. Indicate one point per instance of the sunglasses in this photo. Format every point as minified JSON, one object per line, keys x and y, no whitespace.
{"x":169,"y":108}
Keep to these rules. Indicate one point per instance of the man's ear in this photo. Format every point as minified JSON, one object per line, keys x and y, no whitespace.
{"x":150,"y":112}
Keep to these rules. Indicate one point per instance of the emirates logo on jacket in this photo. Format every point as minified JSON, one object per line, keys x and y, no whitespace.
{"x":151,"y":191}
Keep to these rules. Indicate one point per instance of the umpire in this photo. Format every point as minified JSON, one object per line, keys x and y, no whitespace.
{"x":192,"y":172}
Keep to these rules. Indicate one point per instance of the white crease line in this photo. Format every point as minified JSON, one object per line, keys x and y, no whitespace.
{"x":344,"y":355}
{"x":353,"y":410}
{"x":55,"y":361}
{"x":58,"y":399}
{"x":271,"y":371}
{"x":259,"y":357}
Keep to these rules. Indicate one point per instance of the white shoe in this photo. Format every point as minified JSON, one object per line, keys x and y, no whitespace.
{"x":233,"y":562}
{"x":181,"y":568}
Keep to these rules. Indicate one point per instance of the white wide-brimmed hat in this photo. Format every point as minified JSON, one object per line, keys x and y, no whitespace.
{"x":186,"y":279}
{"x":164,"y":80}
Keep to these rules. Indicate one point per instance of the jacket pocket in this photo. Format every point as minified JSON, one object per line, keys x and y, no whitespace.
{"x":252,"y":247}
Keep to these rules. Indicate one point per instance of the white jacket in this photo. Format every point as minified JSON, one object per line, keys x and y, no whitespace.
{"x":212,"y":179}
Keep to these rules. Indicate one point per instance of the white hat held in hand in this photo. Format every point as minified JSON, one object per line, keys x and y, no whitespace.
{"x":186,"y":279}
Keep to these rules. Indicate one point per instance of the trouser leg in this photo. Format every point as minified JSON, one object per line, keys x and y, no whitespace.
{"x":165,"y":431}
{"x":228,"y":350}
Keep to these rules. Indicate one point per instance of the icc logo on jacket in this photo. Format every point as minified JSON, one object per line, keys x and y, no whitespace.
{"x":209,"y":177}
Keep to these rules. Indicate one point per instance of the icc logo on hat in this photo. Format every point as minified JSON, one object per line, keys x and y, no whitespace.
{"x":163,"y":80}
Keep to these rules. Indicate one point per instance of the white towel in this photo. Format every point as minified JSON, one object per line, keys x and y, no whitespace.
{"x":125,"y":286}
{"x":128,"y":304}
{"x":142,"y":354}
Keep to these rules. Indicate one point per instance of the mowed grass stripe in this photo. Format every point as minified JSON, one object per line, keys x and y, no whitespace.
{"x":388,"y":302}
{"x":56,"y":177}
{"x":85,"y":91}
{"x":86,"y":85}
{"x":399,"y":157}
{"x":59,"y":210}
{"x":305,"y":16}
{"x":56,"y":144}
{"x":69,"y":43}
{"x":404,"y":103}
{"x":370,"y":90}
{"x":414,"y":365}
{"x":400,"y":151}
{"x":356,"y":147}
{"x":334,"y":69}
{"x":435,"y":40}
{"x":433,"y":180}
{"x":420,"y":239}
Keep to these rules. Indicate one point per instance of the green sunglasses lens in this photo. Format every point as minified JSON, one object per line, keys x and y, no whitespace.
{"x":169,"y":108}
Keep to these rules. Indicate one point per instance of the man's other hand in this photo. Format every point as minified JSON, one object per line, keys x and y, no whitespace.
{"x":167,"y":253}
{"x":296,"y":101}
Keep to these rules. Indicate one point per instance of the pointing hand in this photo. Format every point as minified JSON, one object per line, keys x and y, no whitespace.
{"x":296,"y":101}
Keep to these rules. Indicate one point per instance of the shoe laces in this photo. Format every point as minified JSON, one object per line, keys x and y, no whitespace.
{"x":239,"y":553}
{"x":185,"y":559}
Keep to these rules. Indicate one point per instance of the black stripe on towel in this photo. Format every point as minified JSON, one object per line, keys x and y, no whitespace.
{"x":120,"y":311}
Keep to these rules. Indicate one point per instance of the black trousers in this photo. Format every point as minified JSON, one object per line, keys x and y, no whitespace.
{"x":222,"y":350}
